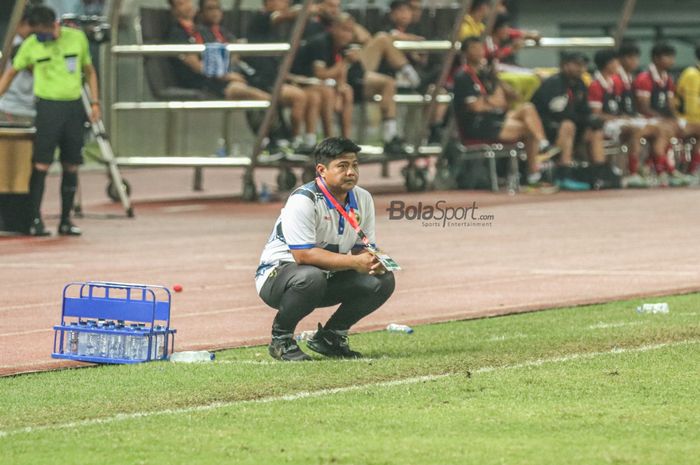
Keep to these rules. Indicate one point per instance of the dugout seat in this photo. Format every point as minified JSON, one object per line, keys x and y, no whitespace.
{"x":159,"y":71}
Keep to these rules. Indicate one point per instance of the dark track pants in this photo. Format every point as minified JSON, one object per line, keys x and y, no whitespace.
{"x":297,"y":290}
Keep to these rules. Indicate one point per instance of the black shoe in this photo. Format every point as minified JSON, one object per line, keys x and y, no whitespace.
{"x":37,"y":228}
{"x":66,"y":228}
{"x":395,"y":146}
{"x":285,"y":348}
{"x":332,"y":344}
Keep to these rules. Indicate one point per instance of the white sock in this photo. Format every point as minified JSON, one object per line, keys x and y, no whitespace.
{"x":310,"y":138}
{"x":390,"y":129}
{"x":298,"y":139}
{"x":411,"y":74}
{"x":534,"y":178}
{"x":544,"y":143}
{"x":282,"y":143}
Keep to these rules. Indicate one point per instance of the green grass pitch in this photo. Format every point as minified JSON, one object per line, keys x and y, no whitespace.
{"x":585,"y":385}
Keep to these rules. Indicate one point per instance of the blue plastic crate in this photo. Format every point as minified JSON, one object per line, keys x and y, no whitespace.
{"x":140,"y":332}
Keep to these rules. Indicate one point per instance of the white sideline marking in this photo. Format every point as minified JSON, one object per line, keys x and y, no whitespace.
{"x":340,"y":390}
{"x":507,"y":337}
{"x":24,"y":333}
{"x":602,"y":325}
{"x":38,"y":265}
{"x":23,"y":306}
{"x":271,"y":362}
{"x":184,"y":208}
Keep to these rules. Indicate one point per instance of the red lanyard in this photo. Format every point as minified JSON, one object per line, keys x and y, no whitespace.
{"x":349,"y":218}
{"x":192,"y":32}
{"x":216,"y":30}
{"x":469,"y":70}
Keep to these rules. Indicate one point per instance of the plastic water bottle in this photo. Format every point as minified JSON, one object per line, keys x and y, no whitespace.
{"x":396,"y":328}
{"x":305,"y":335}
{"x":132,"y":341}
{"x":157,"y":348}
{"x":221,"y":147}
{"x":71,"y":347}
{"x":264,"y":196}
{"x":92,"y":348}
{"x":82,"y":338}
{"x":661,"y":307}
{"x":192,"y":356}
{"x":120,"y":344}
{"x":143,"y":342}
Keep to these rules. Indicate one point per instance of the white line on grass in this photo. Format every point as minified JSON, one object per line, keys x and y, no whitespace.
{"x":602,"y":325}
{"x":339,"y":390}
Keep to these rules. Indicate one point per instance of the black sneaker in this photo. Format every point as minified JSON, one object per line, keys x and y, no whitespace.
{"x":66,"y":228}
{"x":395,"y":146}
{"x":332,"y":343}
{"x":37,"y":228}
{"x":285,"y":348}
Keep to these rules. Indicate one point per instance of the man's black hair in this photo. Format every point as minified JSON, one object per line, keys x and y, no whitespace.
{"x":470,"y":40}
{"x":629,"y":48}
{"x":395,"y":4}
{"x":697,"y":51}
{"x":661,"y":49}
{"x":603,"y":57}
{"x":501,"y":20}
{"x":331,"y":148}
{"x":41,"y":15}
{"x":476,"y":4}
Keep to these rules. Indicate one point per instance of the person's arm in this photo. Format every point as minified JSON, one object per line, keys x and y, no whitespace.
{"x":290,"y":14}
{"x":642,"y":91}
{"x":332,"y":261}
{"x":482,"y":104}
{"x":337,"y":71}
{"x":91,"y":78}
{"x":6,"y":79}
{"x":360,"y":34}
{"x":596,"y":95}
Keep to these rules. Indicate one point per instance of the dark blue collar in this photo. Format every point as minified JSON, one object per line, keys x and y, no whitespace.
{"x":350,"y":201}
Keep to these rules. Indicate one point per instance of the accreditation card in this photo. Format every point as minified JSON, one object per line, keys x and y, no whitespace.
{"x":384,"y":259}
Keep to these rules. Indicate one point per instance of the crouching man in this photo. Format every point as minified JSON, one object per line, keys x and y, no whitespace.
{"x":317,"y":256}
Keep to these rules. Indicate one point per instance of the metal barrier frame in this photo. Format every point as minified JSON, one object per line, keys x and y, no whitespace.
{"x":430,"y":101}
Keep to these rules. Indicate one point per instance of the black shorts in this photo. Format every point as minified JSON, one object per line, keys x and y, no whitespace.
{"x":217,"y":87}
{"x":483,"y":127}
{"x":356,"y":80}
{"x":59,"y":124}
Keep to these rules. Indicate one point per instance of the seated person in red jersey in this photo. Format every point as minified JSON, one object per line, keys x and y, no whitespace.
{"x":606,"y":99}
{"x":654,"y":89}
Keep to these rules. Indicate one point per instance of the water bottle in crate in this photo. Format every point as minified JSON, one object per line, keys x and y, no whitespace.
{"x":105,"y":322}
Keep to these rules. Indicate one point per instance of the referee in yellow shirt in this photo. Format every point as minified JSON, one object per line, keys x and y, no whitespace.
{"x":688,"y":100}
{"x":58,"y":57}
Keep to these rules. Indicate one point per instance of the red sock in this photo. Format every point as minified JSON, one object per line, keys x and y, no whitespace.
{"x":694,"y":162}
{"x":633,"y":161}
{"x":661,"y":163}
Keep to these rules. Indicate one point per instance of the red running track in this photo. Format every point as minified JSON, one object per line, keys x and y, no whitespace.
{"x":539,"y":252}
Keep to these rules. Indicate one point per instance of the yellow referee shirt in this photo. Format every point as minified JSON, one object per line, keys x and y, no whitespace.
{"x":688,"y":94}
{"x":57,"y":65}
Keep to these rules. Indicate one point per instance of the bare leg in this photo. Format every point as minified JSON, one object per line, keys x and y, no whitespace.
{"x":313,"y":109}
{"x":378,"y":47}
{"x":241,"y":91}
{"x":565,"y":142}
{"x":385,"y":86}
{"x":295,"y":98}
{"x":347,"y":97}
{"x":595,"y":146}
